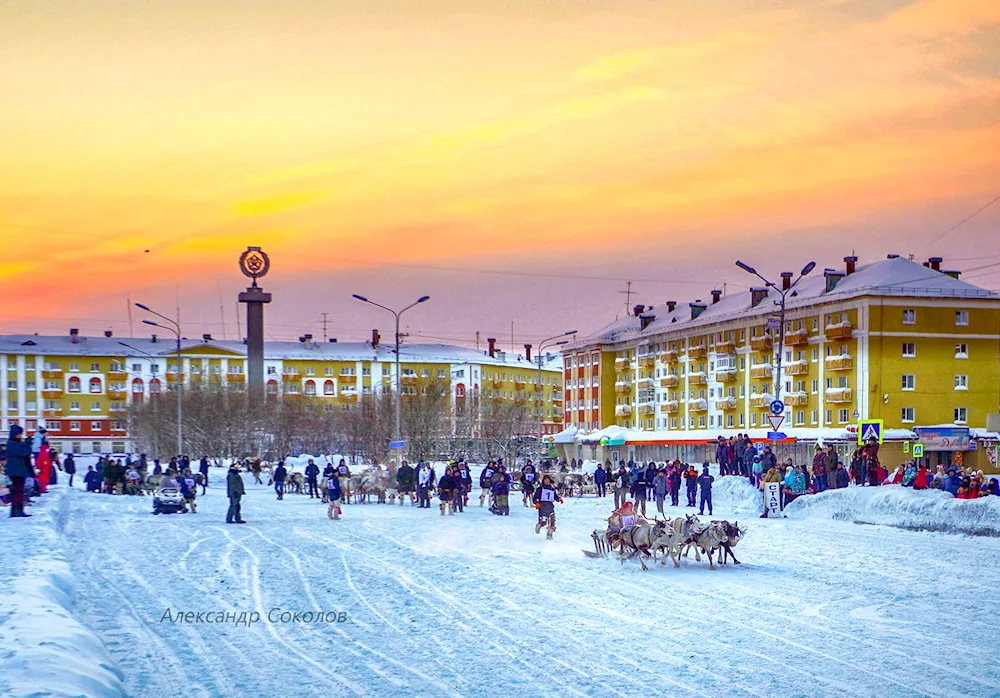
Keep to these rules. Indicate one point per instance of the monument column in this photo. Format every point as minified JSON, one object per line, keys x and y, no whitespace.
{"x":255,"y":264}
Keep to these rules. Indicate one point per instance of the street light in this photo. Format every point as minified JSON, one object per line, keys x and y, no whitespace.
{"x":539,"y":356}
{"x":783,"y":292}
{"x":396,"y":314}
{"x":174,"y":327}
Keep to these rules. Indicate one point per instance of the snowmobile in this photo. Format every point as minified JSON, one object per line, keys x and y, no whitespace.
{"x":169,"y":500}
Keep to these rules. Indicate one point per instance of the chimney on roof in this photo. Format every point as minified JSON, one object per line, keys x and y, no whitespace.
{"x":852,"y":264}
{"x":671,"y":305}
{"x":832,"y":277}
{"x":333,"y":340}
{"x":757,"y":294}
{"x":697,"y":308}
{"x":492,"y":343}
{"x":637,"y":310}
{"x":716,"y":296}
{"x":153,"y":339}
{"x":892,"y":256}
{"x":74,"y":335}
{"x":927,"y":265}
{"x":952,"y":274}
{"x":527,"y":352}
{"x":935,"y":263}
{"x":206,"y":338}
{"x":644,"y":321}
{"x":786,"y":280}
{"x":108,"y":333}
{"x":376,"y":338}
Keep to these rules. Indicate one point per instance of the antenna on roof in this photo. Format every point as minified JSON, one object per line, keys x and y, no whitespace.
{"x":628,"y":296}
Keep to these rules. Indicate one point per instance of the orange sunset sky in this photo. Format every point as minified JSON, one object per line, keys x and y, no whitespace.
{"x":518,"y":160}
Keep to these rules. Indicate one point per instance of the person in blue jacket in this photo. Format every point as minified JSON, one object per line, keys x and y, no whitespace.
{"x":333,"y":494}
{"x":91,"y":480}
{"x":279,"y":479}
{"x":189,"y":488}
{"x":19,"y":468}
{"x":952,"y":482}
{"x":601,"y":481}
{"x":705,"y":490}
{"x":69,"y":467}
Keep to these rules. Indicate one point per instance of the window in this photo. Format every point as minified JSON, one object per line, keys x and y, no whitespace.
{"x":328,"y":388}
{"x":961,"y":351}
{"x":843,"y":416}
{"x":95,"y":447}
{"x":961,"y":382}
{"x":815,"y":324}
{"x":729,"y":421}
{"x":829,"y":417}
{"x":76,"y":447}
{"x":800,"y":418}
{"x":814,"y":417}
{"x":907,"y":414}
{"x":216,"y":370}
{"x":310,"y":371}
{"x":74,"y":426}
{"x":328,"y":371}
{"x":366,"y":371}
{"x":95,"y":368}
{"x":385,"y":372}
{"x":74,"y":366}
{"x":815,"y":386}
{"x":909,"y":350}
{"x":673,"y":422}
{"x":54,"y":426}
{"x":701,"y":422}
{"x":74,"y":384}
{"x":909,"y":381}
{"x":440,"y":373}
{"x":74,"y":406}
{"x":273,"y":371}
{"x":310,"y":388}
{"x":95,"y":407}
{"x":741,"y":415}
{"x":843,"y":382}
{"x":753,"y":419}
{"x":815,"y":355}
{"x":195,"y":369}
{"x":117,"y":425}
{"x":136,"y":368}
{"x":155,"y":368}
{"x":960,"y":415}
{"x":351,"y":372}
{"x":909,"y":316}
{"x":961,"y":319}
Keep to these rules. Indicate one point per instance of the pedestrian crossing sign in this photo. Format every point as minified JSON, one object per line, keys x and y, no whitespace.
{"x":870,"y":429}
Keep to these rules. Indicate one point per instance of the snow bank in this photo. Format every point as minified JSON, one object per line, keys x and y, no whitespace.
{"x":894,"y":505}
{"x":45,"y":648}
{"x":737,"y":495}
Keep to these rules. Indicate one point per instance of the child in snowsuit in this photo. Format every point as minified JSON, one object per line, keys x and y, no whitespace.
{"x":333,"y":493}
{"x":189,"y":488}
{"x":447,"y":487}
{"x":545,"y":502}
{"x":486,"y":481}
{"x":528,"y":483}
{"x":501,"y":491}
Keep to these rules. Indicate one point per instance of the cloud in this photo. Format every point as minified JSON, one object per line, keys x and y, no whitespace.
{"x":932,"y":18}
{"x":272,"y":204}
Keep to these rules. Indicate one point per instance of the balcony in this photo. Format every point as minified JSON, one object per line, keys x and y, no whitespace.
{"x":236,"y":377}
{"x":289,"y":377}
{"x":648,"y":361}
{"x":697,"y":405}
{"x":117,"y":376}
{"x":645,"y":383}
{"x":647,"y":409}
{"x":52,"y":394}
{"x":117,"y":394}
{"x":57,"y":412}
{"x":520,"y":401}
{"x":55,"y":374}
{"x":537,"y":387}
{"x":669,"y":382}
{"x":840,"y":330}
{"x":799,"y":399}
{"x":557,"y":419}
{"x":623,"y":387}
{"x":623,"y":411}
{"x":349,"y":397}
{"x":556,"y":401}
{"x":697,"y":378}
{"x":621,"y":364}
{"x":795,"y":368}
{"x":760,"y":371}
{"x":796,"y":338}
{"x":843,"y":362}
{"x":520,"y":384}
{"x":762,"y":400}
{"x":839,"y":395}
{"x":726,"y":403}
{"x":725,"y":375}
{"x":697,"y":351}
{"x":728,"y":347}
{"x":763,"y":343}
{"x":352,"y":379}
{"x":668,"y":356}
{"x":671,"y":407}
{"x":173,"y":376}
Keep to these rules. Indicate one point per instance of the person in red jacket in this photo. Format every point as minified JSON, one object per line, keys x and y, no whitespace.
{"x":923,"y":479}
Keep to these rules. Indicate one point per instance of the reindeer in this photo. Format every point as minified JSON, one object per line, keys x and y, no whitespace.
{"x":735,"y":535}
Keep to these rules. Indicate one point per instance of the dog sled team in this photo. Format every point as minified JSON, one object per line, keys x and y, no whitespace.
{"x":631,"y":535}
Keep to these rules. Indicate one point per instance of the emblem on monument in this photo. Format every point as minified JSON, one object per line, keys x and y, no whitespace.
{"x":254,"y":263}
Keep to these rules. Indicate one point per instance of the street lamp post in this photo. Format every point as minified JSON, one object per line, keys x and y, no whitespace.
{"x":783,"y":293}
{"x":174,"y":327}
{"x":396,"y":314}
{"x":550,"y":342}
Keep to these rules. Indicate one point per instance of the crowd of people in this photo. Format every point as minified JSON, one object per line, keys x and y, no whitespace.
{"x":655,"y":482}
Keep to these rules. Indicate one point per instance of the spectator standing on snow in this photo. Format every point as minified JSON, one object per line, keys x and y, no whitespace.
{"x":819,"y":469}
{"x":235,"y":492}
{"x":312,"y":479}
{"x":18,"y":469}
{"x":91,"y":480}
{"x":621,"y":485}
{"x":406,"y":482}
{"x":674,"y":478}
{"x":691,"y":479}
{"x":279,"y":475}
{"x":446,"y":492}
{"x":650,"y":476}
{"x":425,"y":483}
{"x":639,"y":492}
{"x":843,"y":478}
{"x":705,"y":481}
{"x":69,"y":467}
{"x":659,"y":488}
{"x":831,"y":467}
{"x":203,"y":469}
{"x":600,"y":480}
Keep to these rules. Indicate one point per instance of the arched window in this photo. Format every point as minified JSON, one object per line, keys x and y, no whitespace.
{"x":310,"y":388}
{"x":137,"y":385}
{"x":95,"y":385}
{"x":272,"y":387}
{"x":74,"y":384}
{"x":459,"y":390}
{"x":154,"y":386}
{"x":329,"y":388}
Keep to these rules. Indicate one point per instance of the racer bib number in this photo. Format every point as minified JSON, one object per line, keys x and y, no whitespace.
{"x":628,"y":520}
{"x":530,"y":477}
{"x":547,"y":496}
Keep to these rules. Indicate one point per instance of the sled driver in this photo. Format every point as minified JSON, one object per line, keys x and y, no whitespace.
{"x":528,"y":481}
{"x":545,"y":502}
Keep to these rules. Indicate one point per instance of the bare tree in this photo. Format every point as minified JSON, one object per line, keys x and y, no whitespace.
{"x":425,"y":416}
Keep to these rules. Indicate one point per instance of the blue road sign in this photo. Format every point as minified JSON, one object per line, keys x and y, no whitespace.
{"x":759,"y":446}
{"x":870,"y":429}
{"x":777,"y":407}
{"x":397,"y":444}
{"x":777,"y":435}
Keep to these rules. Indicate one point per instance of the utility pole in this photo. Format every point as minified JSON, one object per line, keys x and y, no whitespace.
{"x":628,"y":297}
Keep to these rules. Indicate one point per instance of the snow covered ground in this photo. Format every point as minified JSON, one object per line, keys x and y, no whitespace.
{"x":478,"y":605}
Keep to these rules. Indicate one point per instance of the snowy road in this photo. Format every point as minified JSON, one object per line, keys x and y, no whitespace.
{"x":476,"y":605}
